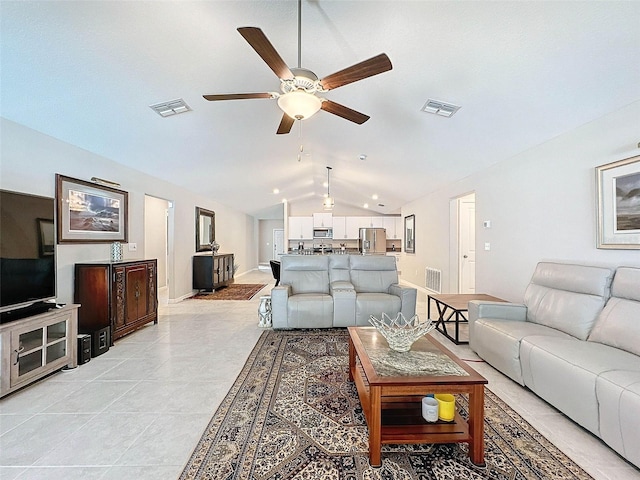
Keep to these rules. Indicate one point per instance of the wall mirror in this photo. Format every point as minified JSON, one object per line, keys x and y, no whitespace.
{"x":410,"y":234}
{"x":205,"y":229}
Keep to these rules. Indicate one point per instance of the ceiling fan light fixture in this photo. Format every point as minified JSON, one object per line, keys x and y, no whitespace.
{"x":299,"y":104}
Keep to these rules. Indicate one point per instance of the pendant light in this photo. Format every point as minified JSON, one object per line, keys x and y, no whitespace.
{"x":328,"y":201}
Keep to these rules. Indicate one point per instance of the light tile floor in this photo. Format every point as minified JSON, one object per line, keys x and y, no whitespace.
{"x":137,"y":411}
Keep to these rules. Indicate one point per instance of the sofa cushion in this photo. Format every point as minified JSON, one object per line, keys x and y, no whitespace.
{"x":339,"y":268}
{"x":309,"y":310}
{"x":305,"y":273}
{"x":619,"y":323}
{"x":376,"y":304}
{"x":567,"y":297}
{"x":373,"y":273}
{"x":563,"y":371}
{"x":497,"y":341}
{"x":618,"y":393}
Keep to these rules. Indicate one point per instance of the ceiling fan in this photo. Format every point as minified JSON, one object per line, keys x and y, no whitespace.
{"x":299,"y":86}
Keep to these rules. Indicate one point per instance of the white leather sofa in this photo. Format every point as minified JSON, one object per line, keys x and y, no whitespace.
{"x":575,"y":342}
{"x":324,"y":291}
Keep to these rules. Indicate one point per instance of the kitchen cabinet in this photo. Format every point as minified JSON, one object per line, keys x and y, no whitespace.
{"x":322,"y":220}
{"x":36,"y":346}
{"x":300,"y":228}
{"x":393,"y":225}
{"x":121,"y":296}
{"x":340,"y":228}
{"x":352,"y":226}
{"x":212,"y":271}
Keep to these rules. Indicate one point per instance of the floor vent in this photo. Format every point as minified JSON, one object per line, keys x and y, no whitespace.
{"x":433,"y":279}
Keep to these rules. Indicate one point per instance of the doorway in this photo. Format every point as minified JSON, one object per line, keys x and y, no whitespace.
{"x":466,"y":208}
{"x":157,"y":220}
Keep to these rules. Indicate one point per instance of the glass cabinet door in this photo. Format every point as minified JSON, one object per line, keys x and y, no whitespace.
{"x":29,"y":352}
{"x":56,"y":341}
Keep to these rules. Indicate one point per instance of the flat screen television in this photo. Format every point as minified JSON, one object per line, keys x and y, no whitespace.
{"x":27,"y":254}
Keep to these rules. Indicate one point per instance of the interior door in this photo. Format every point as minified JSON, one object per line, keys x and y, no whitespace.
{"x":467,"y":244}
{"x":278,"y":243}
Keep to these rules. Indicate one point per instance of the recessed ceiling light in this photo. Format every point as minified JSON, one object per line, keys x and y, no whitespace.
{"x":374,"y":196}
{"x":362,"y":156}
{"x":276,"y":191}
{"x":366,"y":205}
{"x":170,"y":108}
{"x":440,"y":108}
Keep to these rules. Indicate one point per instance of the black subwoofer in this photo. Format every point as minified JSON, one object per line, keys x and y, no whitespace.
{"x":84,"y":348}
{"x":100,"y":341}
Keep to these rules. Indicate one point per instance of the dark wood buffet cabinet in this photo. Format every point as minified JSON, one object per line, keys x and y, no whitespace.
{"x":118,"y":296}
{"x":212,"y":271}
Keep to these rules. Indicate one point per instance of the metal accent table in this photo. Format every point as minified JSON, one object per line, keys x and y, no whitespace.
{"x":452,"y":308}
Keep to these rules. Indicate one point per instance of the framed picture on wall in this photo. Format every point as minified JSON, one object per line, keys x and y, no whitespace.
{"x":618,"y":185}
{"x":90,"y":213}
{"x":410,"y":234}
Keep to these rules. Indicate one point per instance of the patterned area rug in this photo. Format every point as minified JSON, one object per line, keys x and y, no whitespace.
{"x":293,"y":414}
{"x":234,"y":291}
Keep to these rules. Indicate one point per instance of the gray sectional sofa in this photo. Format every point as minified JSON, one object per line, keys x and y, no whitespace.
{"x":323,"y":291}
{"x":575,"y":342}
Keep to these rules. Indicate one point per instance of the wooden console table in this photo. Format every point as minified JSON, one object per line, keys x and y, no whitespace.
{"x":452,"y":308}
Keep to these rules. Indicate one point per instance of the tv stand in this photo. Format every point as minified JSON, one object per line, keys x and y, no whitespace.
{"x":38,"y":345}
{"x":29,"y":311}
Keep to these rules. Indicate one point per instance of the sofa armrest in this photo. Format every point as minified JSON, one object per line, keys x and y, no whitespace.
{"x":279,"y":299}
{"x":408,"y":297}
{"x":344,"y":303}
{"x":340,"y":285}
{"x":501,"y":310}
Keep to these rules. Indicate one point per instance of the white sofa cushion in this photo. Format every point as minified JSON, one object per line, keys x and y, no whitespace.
{"x":619,"y":323}
{"x":618,"y":394}
{"x":497,"y":341}
{"x":305,"y":273}
{"x":567,"y":297}
{"x":563,"y":371}
{"x":373,"y":273}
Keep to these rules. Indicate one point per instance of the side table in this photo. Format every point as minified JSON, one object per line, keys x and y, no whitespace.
{"x":264,"y":312}
{"x":452,"y":309}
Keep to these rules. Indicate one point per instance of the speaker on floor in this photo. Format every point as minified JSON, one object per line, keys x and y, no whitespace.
{"x":84,"y":348}
{"x":100,"y":341}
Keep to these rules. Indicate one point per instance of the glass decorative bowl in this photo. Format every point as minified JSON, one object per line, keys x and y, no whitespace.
{"x":399,"y":332}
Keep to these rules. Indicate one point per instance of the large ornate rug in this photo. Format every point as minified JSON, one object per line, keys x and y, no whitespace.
{"x":233,"y":291}
{"x":293,"y":414}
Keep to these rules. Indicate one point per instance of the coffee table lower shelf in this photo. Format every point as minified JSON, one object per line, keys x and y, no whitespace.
{"x":402,"y":421}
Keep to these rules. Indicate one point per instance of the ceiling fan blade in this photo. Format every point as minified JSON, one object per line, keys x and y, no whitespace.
{"x":236,"y":96}
{"x":285,"y":124}
{"x":267,"y":52}
{"x":344,"y":112}
{"x":359,"y":71}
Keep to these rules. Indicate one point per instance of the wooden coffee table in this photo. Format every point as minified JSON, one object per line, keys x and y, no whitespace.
{"x":391,"y":386}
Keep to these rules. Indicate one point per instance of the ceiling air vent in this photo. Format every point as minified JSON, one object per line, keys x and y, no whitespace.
{"x":440,"y":108}
{"x":173,"y":107}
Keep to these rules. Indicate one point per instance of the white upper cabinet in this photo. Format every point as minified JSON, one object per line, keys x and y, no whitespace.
{"x":340,"y":228}
{"x":393,"y":225}
{"x":352,"y":226}
{"x":323,"y":220}
{"x":300,"y":228}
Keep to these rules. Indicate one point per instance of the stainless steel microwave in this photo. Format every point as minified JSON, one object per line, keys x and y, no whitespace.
{"x":322,"y":233}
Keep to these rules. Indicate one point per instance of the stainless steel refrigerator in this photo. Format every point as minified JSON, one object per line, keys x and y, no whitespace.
{"x":373,"y":241}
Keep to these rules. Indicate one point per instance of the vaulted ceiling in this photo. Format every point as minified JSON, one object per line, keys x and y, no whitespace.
{"x":523,"y":72}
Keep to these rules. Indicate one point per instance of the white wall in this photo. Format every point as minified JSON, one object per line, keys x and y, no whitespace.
{"x":30,"y":160}
{"x":542,"y":206}
{"x":155,"y":234}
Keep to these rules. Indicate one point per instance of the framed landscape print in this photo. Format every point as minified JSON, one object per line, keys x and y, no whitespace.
{"x":90,"y":213}
{"x":410,"y":234}
{"x":618,"y":186}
